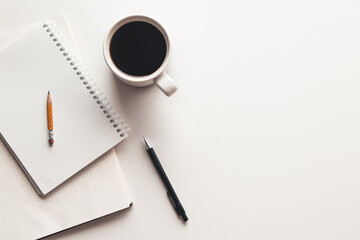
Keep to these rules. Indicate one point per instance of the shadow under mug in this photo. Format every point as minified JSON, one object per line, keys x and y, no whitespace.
{"x":158,"y":77}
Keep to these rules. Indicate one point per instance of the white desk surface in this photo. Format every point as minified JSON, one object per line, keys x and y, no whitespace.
{"x":262,"y":139}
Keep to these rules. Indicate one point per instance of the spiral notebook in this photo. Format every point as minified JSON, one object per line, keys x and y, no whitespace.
{"x":98,"y":190}
{"x":85,"y":125}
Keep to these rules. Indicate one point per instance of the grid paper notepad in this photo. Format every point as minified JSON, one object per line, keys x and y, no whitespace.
{"x":84,"y":125}
{"x":98,"y":190}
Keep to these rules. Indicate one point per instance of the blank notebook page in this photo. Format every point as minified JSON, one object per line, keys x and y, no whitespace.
{"x":29,"y":68}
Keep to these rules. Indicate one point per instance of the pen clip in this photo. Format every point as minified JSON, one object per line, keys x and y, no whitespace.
{"x":173,"y":203}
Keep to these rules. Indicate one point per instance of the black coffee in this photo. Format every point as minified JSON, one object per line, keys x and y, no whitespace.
{"x":138,"y":48}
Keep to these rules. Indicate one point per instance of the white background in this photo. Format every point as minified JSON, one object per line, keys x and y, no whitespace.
{"x":262,"y":139}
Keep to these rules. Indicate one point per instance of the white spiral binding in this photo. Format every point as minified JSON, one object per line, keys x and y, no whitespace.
{"x":119,"y":124}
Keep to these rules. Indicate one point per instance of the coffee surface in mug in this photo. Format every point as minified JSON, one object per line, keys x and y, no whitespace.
{"x":138,"y":48}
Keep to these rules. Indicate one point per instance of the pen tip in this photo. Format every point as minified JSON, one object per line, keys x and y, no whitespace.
{"x":147,"y":144}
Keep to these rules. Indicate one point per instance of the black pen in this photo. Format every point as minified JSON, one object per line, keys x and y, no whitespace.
{"x":170,"y":190}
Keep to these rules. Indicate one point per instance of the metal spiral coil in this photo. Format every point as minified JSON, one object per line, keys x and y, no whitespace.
{"x":119,"y":124}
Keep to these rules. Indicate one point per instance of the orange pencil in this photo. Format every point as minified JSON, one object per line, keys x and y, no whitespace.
{"x":50,"y":119}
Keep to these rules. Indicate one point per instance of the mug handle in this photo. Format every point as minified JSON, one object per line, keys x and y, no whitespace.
{"x":166,"y":84}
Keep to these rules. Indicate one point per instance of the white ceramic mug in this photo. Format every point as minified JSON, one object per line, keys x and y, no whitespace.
{"x":159,"y":77}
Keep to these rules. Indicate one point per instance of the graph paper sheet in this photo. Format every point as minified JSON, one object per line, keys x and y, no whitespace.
{"x":98,"y":190}
{"x":29,"y":68}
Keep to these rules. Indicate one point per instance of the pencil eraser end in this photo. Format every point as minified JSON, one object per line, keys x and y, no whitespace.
{"x":51,"y":141}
